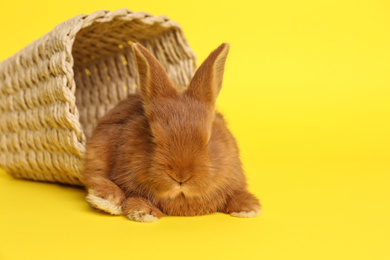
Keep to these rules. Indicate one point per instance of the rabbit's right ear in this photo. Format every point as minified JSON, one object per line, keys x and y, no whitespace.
{"x":154,"y":81}
{"x":207,"y":81}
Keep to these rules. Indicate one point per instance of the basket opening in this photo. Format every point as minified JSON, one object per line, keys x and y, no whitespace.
{"x":104,"y":66}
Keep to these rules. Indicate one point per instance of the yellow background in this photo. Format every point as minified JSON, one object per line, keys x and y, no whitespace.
{"x":306,"y":92}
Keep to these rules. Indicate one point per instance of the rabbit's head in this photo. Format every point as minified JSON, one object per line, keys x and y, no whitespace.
{"x":181,"y":124}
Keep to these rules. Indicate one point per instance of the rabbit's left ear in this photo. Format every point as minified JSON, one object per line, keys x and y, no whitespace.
{"x":207,"y":81}
{"x":154,"y":81}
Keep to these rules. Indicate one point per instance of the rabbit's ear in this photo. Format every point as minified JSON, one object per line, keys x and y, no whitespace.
{"x":154,"y":81}
{"x":207,"y":81}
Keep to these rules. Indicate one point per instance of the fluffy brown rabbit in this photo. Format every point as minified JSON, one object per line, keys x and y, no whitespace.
{"x":167,"y":152}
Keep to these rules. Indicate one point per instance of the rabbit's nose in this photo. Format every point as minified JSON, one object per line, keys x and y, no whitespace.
{"x":181,"y":179}
{"x":184,"y":179}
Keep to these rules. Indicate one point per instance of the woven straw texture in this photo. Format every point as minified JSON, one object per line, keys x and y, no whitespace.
{"x":54,"y":90}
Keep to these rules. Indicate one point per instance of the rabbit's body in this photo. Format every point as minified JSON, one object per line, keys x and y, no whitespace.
{"x":166,"y":152}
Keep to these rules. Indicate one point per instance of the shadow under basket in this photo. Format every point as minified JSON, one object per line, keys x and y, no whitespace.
{"x":53,"y":92}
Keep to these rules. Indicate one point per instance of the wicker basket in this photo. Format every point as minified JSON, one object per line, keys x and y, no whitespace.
{"x":54,"y":90}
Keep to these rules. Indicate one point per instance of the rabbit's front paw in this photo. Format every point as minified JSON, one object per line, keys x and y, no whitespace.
{"x":246,"y":214}
{"x":140,"y":210}
{"x":109,"y":205}
{"x":107,"y":197}
{"x":142,"y":215}
{"x":244,"y":205}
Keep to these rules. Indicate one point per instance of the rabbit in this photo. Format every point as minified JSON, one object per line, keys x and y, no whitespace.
{"x":166,"y":151}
